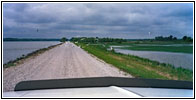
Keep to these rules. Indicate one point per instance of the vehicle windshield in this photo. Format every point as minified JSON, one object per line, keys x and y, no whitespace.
{"x":66,"y":40}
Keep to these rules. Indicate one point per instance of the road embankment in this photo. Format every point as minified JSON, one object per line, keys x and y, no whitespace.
{"x":63,"y":61}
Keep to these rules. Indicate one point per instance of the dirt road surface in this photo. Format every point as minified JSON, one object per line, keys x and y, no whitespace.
{"x":64,"y":61}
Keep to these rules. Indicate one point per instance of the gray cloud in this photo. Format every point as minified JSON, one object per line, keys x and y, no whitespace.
{"x":125,"y":20}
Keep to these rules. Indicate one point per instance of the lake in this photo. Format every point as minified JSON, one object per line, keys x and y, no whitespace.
{"x":177,"y":59}
{"x":13,"y":50}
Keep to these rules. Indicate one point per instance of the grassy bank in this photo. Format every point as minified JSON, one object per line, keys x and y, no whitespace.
{"x":180,"y":49}
{"x":21,"y":60}
{"x":139,"y":67}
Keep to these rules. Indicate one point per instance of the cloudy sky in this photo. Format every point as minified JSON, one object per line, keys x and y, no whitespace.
{"x":119,"y":20}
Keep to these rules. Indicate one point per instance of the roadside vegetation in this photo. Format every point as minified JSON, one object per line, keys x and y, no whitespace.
{"x":21,"y":59}
{"x":134,"y":65}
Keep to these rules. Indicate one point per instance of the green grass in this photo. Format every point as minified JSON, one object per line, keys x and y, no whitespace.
{"x":21,"y":59}
{"x":139,"y":67}
{"x":182,"y":49}
{"x":150,"y":42}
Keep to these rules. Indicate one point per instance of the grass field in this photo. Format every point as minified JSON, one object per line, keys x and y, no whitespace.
{"x":139,"y":67}
{"x":166,"y":46}
{"x":181,"y":49}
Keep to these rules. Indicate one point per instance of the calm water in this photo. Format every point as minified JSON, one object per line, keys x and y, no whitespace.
{"x":177,"y":59}
{"x":13,"y":50}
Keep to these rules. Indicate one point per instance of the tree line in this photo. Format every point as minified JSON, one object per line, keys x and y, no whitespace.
{"x":171,"y":38}
{"x":96,"y":39}
{"x":120,"y":40}
{"x":29,"y":39}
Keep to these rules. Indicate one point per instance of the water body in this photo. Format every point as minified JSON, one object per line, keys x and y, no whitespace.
{"x":13,"y":50}
{"x":177,"y":59}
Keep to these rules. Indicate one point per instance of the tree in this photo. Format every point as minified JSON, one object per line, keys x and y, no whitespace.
{"x":184,"y":38}
{"x":63,"y":39}
{"x":161,"y":38}
{"x":175,"y":38}
{"x":189,"y":39}
{"x":170,"y":37}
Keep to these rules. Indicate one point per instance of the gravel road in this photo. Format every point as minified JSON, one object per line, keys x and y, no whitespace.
{"x":64,"y":61}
